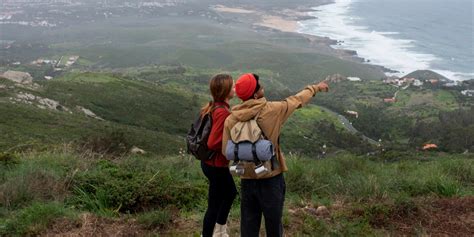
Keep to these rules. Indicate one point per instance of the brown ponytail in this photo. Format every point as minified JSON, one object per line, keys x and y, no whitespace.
{"x":207,"y":108}
{"x":220,"y":86}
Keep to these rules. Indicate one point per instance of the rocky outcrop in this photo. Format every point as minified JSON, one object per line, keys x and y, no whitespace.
{"x":138,"y":151}
{"x":89,"y":113}
{"x":40,"y":102}
{"x":18,"y":77}
{"x":46,"y":103}
{"x":322,"y":211}
{"x":335,"y":78}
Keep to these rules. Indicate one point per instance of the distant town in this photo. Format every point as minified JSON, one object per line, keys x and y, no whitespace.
{"x":55,"y":13}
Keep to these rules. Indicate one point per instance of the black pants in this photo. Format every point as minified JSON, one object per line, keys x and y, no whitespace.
{"x":262,"y":196}
{"x":222,"y":192}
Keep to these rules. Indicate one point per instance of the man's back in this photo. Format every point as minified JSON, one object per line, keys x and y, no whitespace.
{"x":270,"y":117}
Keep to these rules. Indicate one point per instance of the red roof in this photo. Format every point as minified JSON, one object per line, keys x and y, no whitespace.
{"x":430,"y":146}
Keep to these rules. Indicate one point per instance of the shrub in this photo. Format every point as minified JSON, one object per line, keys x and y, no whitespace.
{"x":96,"y":202}
{"x":114,"y":143}
{"x":33,"y":219}
{"x":38,"y":177}
{"x":461,"y":170}
{"x":155,"y":219}
{"x":8,"y":159}
{"x":130,"y":190}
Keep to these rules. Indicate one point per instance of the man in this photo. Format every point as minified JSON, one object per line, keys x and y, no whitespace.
{"x":266,"y":194}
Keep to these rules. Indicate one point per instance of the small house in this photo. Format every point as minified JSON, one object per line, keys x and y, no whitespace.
{"x":389,"y":100}
{"x":430,"y":146}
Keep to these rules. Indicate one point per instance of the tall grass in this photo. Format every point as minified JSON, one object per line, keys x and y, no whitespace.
{"x":33,"y":219}
{"x":359,"y":179}
{"x":37,"y":177}
{"x":38,"y":188}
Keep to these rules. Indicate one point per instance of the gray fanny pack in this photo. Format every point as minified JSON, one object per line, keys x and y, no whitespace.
{"x":262,"y":150}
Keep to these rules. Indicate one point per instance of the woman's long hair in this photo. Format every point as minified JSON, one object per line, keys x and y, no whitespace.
{"x":220,"y":87}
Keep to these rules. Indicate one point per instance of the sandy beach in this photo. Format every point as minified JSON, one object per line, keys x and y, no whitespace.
{"x":222,"y":8}
{"x":284,"y":20}
{"x":279,"y":23}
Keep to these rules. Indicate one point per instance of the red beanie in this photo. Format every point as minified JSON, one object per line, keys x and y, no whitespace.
{"x":245,"y":86}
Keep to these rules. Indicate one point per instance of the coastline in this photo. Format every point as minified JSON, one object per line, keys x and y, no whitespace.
{"x":288,"y":21}
{"x":358,"y":45}
{"x":399,"y":56}
{"x":284,"y":20}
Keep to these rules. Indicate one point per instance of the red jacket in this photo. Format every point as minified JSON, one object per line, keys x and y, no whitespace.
{"x":215,"y":138}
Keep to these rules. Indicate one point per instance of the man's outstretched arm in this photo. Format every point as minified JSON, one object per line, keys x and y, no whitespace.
{"x":290,"y":104}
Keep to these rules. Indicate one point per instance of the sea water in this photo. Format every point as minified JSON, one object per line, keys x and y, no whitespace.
{"x":402,"y":35}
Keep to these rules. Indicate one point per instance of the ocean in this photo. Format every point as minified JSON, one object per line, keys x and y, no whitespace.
{"x":402,"y":35}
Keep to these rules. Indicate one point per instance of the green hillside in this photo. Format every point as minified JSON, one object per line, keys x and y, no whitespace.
{"x":151,"y":109}
{"x":26,"y":127}
{"x":58,"y":192}
{"x":419,"y":115}
{"x":150,"y":116}
{"x":425,"y":75}
{"x":154,"y":107}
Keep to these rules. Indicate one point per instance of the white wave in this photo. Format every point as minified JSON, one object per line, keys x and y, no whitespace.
{"x":380,"y":48}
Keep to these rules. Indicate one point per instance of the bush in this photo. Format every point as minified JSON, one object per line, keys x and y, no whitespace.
{"x":38,"y":177}
{"x":33,"y":219}
{"x":155,"y":219}
{"x":359,"y":179}
{"x":461,"y":170}
{"x":112,"y":144}
{"x":126,"y":189}
{"x":8,"y":159}
{"x":96,"y":202}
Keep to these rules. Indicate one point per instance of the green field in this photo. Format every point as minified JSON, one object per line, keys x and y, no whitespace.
{"x":152,"y":107}
{"x":47,"y":192}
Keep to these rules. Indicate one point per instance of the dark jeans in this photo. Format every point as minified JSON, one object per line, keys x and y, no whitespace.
{"x":262,"y":196}
{"x":222,"y":192}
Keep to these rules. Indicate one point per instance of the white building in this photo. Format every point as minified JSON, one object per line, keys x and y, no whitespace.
{"x":354,"y":79}
{"x":452,"y":83}
{"x":468,"y":92}
{"x":417,"y":82}
{"x":354,"y":113}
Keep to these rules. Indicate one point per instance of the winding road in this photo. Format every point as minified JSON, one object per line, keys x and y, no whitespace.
{"x":348,"y":125}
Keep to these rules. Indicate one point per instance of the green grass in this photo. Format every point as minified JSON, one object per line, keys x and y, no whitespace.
{"x":151,"y":190}
{"x":87,"y":78}
{"x":359,"y":179}
{"x":155,"y":219}
{"x":24,"y":126}
{"x":152,"y":107}
{"x":312,"y":127}
{"x":34,"y":219}
{"x":155,"y":105}
{"x":135,"y":103}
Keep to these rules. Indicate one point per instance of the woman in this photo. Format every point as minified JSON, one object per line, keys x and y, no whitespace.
{"x":222,"y":190}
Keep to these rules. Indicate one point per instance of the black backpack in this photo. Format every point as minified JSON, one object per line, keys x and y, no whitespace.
{"x":196,"y":140}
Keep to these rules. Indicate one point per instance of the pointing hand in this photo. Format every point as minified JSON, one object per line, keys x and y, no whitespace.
{"x":322,"y":86}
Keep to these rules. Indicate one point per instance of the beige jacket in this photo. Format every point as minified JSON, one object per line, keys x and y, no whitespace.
{"x":273,"y":114}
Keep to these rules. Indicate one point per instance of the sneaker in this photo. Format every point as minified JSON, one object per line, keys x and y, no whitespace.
{"x":220,"y":231}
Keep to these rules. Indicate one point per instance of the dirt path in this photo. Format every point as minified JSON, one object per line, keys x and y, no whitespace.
{"x":431,"y":217}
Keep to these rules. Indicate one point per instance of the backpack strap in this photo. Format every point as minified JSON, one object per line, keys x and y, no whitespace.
{"x":255,"y":118}
{"x":219,"y":107}
{"x":210,"y":117}
{"x":236,"y":153}
{"x":254,"y":153}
